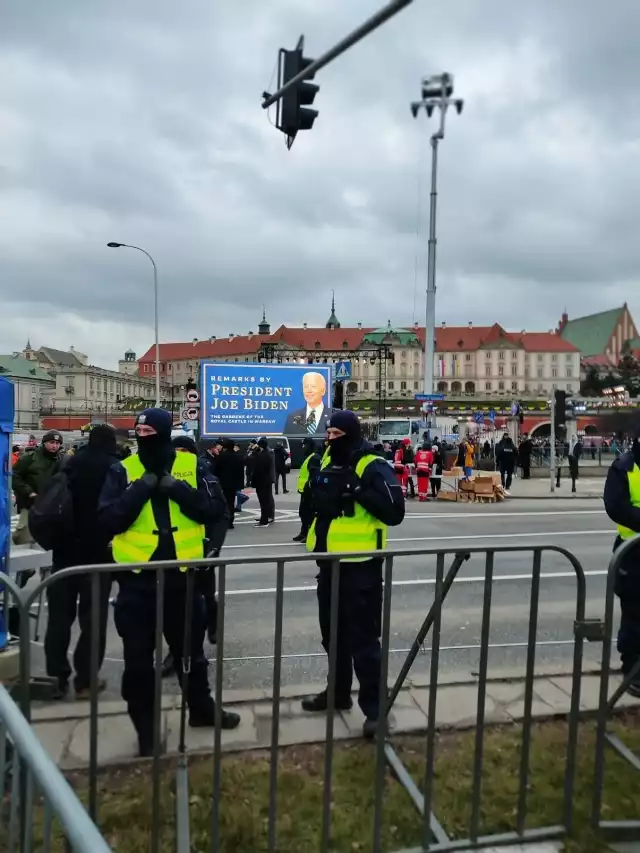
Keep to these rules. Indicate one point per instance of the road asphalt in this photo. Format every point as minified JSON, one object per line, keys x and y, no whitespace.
{"x":576,"y":524}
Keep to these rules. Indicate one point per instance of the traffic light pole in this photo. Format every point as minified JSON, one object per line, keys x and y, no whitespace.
{"x":552,"y":457}
{"x":359,"y":33}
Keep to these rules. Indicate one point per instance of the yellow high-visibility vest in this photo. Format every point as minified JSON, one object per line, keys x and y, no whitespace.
{"x":303,"y":474}
{"x":634,"y":494}
{"x":360,"y":532}
{"x":139,"y":542}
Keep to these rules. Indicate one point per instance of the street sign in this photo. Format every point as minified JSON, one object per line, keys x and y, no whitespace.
{"x":426,"y":398}
{"x":478,"y":417}
{"x":343,"y":370}
{"x":190,"y":414}
{"x":492,"y":415}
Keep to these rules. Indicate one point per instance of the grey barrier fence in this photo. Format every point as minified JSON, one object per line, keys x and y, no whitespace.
{"x":433,"y":836}
{"x":28,"y":775}
{"x":605,"y":738}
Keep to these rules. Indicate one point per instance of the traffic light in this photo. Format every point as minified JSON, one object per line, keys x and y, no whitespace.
{"x":560,"y":409}
{"x":294,"y":113}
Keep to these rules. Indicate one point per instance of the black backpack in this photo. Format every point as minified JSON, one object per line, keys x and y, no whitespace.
{"x":51,"y":516}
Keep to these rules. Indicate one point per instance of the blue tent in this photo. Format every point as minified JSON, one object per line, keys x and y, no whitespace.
{"x":6,"y":428}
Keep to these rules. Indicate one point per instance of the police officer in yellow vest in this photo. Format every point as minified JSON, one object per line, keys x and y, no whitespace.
{"x":356,"y":496}
{"x":622,"y":503}
{"x":309,"y":468}
{"x":156,"y":504}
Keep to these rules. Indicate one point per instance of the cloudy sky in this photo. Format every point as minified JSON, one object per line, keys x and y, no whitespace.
{"x":141,"y":122}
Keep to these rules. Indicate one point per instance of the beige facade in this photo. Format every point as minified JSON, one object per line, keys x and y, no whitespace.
{"x":95,"y":389}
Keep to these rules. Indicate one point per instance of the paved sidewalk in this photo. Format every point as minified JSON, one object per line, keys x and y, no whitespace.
{"x":538,"y":488}
{"x":63,"y":727}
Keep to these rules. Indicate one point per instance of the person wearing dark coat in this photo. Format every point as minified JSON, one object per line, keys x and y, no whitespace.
{"x":506,"y":459}
{"x":229,"y":470}
{"x":524,"y":456}
{"x":263,"y":475}
{"x":70,"y":598}
{"x":622,"y":505}
{"x":143,"y":497}
{"x":280,"y":456}
{"x":29,"y":477}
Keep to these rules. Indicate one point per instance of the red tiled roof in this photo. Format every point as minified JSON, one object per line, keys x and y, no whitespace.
{"x":598,"y":361}
{"x":448,"y":339}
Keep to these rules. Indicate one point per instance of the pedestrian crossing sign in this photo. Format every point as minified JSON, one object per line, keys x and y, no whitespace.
{"x":343,"y":370}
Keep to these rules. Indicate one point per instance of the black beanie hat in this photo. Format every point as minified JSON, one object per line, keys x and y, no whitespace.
{"x":186,"y":443}
{"x":159,"y":419}
{"x":347,"y":422}
{"x":52,"y":435}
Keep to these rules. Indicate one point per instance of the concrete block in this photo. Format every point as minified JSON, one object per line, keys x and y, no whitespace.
{"x":288,"y":709}
{"x":237,"y":696}
{"x":590,"y":691}
{"x":116,"y":741}
{"x":310,"y":728}
{"x":55,"y":737}
{"x":547,"y":698}
{"x":457,"y":706}
{"x":244,"y":737}
{"x":405,"y":716}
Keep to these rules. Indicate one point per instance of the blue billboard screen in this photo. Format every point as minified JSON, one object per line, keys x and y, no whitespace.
{"x":264,"y":399}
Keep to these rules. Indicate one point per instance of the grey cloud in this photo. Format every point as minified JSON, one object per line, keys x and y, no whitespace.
{"x":142,"y":123}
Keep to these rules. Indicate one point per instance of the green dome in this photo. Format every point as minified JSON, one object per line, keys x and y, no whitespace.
{"x":404,"y":336}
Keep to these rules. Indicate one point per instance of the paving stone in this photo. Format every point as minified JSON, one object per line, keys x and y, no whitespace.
{"x":288,"y":708}
{"x":244,"y":737}
{"x":405,"y":716}
{"x":547,"y":698}
{"x":55,"y":737}
{"x":235,"y":696}
{"x":310,"y":728}
{"x":116,"y":741}
{"x":590,"y":691}
{"x":457,"y":706}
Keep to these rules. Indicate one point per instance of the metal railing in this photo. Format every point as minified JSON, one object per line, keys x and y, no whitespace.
{"x":433,"y":836}
{"x":29,"y":776}
{"x":607,"y":704}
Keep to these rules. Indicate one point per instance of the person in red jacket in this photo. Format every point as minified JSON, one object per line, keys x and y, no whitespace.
{"x":402,"y":470}
{"x":424,"y":463}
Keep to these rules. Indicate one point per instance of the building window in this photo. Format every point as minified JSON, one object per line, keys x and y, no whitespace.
{"x":501,"y":370}
{"x":415,"y":386}
{"x":526,"y":387}
{"x":569,"y":371}
{"x":526,"y":373}
{"x":539,"y":373}
{"x":467,"y":356}
{"x":487,"y":386}
{"x":501,"y":354}
{"x":514,"y":385}
{"x":146,"y":368}
{"x":487,"y":354}
{"x":500,"y":386}
{"x":568,"y":357}
{"x":487,"y":370}
{"x":569,"y":389}
{"x":403,"y":386}
{"x":554,"y":357}
{"x":389,"y":385}
{"x":514,"y":369}
{"x":403,"y":353}
{"x":365,"y":385}
{"x":554,"y":372}
{"x":540,"y":357}
{"x":514,"y":354}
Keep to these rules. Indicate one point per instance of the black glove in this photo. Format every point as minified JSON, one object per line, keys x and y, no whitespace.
{"x":167,"y":482}
{"x":150,"y":479}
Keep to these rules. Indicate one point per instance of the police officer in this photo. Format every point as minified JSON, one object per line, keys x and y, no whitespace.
{"x":156,"y":505}
{"x":622,"y":504}
{"x":355,"y":497}
{"x":308,"y":470}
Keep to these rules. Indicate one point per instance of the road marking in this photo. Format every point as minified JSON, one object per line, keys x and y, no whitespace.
{"x":468,"y":538}
{"x":423,"y":582}
{"x":291,"y":516}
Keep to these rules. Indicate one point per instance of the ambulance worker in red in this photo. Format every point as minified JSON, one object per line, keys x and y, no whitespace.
{"x":424,"y":463}
{"x":402,"y":470}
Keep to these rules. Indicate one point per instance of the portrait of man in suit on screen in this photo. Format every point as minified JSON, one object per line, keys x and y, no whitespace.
{"x":313,"y":418}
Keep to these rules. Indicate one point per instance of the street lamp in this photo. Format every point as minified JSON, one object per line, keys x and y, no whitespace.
{"x":155,"y":300}
{"x":437,"y":92}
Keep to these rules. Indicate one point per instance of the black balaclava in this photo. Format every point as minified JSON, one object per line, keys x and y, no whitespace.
{"x":342,"y":447}
{"x":156,"y":451}
{"x":102,"y":439}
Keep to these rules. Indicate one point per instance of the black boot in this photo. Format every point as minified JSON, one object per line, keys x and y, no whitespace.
{"x":319,"y":703}
{"x":301,"y":537}
{"x":204,"y":717}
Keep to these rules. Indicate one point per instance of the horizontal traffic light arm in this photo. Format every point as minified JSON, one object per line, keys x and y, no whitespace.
{"x":391,"y":9}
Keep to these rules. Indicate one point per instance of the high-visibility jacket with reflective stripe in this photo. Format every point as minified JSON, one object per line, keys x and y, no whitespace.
{"x":360,"y":532}
{"x":303,"y":474}
{"x":139,"y":542}
{"x":634,"y":494}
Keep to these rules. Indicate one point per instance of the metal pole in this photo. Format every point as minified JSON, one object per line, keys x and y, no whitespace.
{"x":359,"y":33}
{"x":157,"y":338}
{"x":552,"y":456}
{"x":429,"y":334}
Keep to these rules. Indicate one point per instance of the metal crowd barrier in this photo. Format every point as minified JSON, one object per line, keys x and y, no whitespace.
{"x":604,"y":738}
{"x":28,"y":775}
{"x":433,"y":835}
